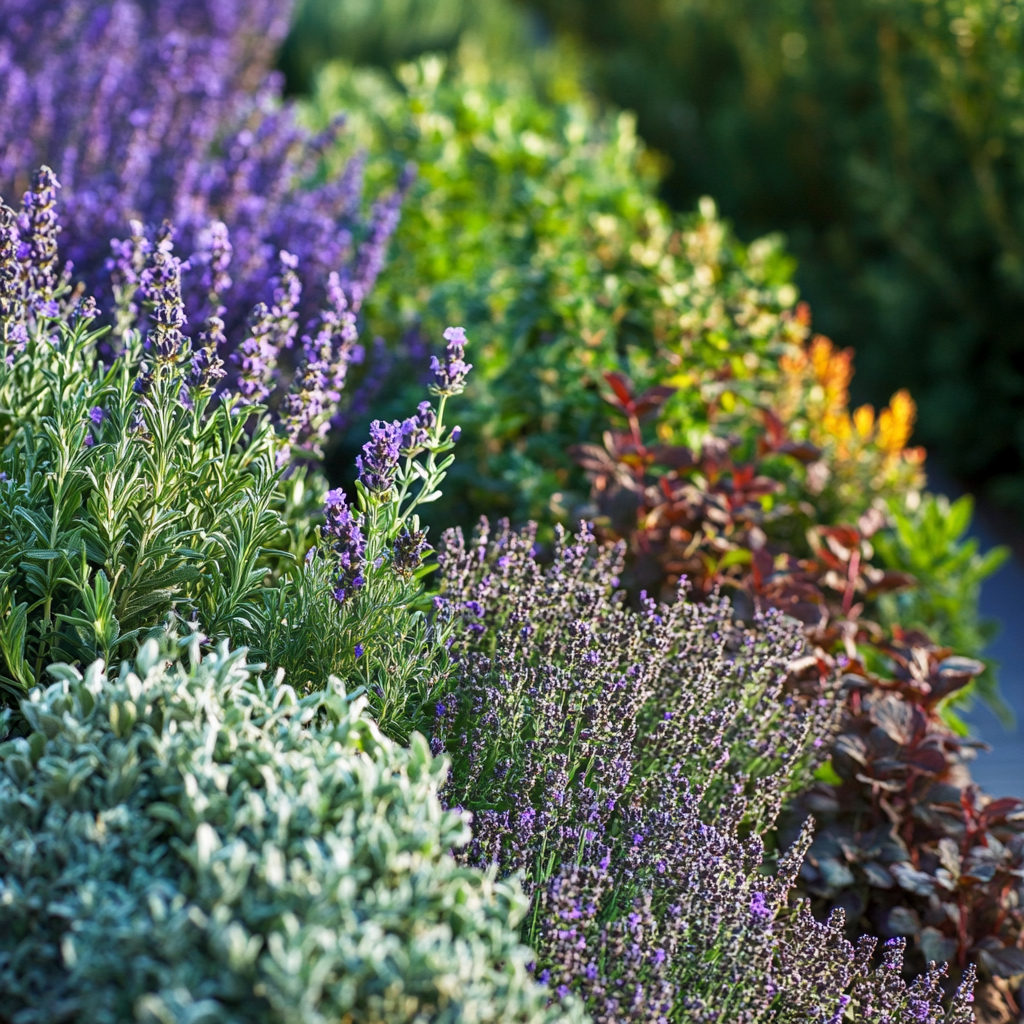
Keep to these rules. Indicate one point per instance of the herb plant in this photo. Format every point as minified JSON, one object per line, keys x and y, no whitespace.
{"x":203,"y":843}
{"x":169,"y":111}
{"x":143,"y":487}
{"x":629,"y":764}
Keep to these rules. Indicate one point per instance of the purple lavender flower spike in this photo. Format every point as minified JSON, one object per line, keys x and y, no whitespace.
{"x":339,"y":315}
{"x":214,"y":256}
{"x":416,"y":429}
{"x":10,"y":272}
{"x":407,"y":553}
{"x":384,"y":220}
{"x":256,"y":358}
{"x":270,"y":332}
{"x":169,"y":109}
{"x":348,"y":544}
{"x":379,"y":461}
{"x":161,"y":286}
{"x":125,"y":265}
{"x":39,"y":227}
{"x":206,"y":369}
{"x":450,"y":377}
{"x":307,"y":410}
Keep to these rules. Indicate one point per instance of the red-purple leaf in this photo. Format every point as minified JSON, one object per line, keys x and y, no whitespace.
{"x":623,"y":388}
{"x":653,"y":398}
{"x":673,"y":456}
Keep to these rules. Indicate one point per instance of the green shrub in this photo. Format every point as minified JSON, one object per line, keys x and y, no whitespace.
{"x":886,"y":138}
{"x":136,"y":491}
{"x":199,"y":844}
{"x":536,"y":222}
{"x":535,"y":219}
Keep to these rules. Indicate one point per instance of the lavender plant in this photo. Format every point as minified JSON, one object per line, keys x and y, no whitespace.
{"x":631,"y":763}
{"x":169,"y":110}
{"x":146,"y":486}
{"x":371,"y":558}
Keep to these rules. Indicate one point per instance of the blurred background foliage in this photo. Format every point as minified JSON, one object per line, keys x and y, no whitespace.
{"x":883,"y":137}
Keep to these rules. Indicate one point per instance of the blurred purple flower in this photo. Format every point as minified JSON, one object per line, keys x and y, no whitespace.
{"x":450,"y":377}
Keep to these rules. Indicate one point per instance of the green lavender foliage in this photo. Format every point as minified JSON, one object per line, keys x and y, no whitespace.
{"x":102,"y":539}
{"x":128,"y":504}
{"x":201,"y":843}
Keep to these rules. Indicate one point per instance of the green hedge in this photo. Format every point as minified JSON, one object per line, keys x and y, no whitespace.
{"x":886,"y":138}
{"x":535,"y":223}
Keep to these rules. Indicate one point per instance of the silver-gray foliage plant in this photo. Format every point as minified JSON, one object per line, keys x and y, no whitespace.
{"x":200,"y":843}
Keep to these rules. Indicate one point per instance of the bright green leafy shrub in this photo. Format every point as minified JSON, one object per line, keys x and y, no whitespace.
{"x":885,"y":137}
{"x":535,"y":218}
{"x":199,"y":844}
{"x":931,"y":544}
{"x":538,"y":223}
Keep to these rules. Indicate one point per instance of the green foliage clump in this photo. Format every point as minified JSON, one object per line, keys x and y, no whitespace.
{"x":930,"y":542}
{"x":198,"y":843}
{"x":134,"y":494}
{"x":886,"y":138}
{"x":536,"y":220}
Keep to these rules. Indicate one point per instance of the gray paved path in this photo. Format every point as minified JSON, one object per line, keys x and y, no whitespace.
{"x":1001,"y":771}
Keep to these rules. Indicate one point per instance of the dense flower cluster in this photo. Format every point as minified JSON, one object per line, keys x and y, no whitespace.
{"x":630,"y":764}
{"x":347,"y":542}
{"x":379,"y":461}
{"x":450,"y":376}
{"x":168,"y":111}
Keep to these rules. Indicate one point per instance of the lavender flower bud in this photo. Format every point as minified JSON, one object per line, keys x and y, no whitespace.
{"x":206,"y":367}
{"x":214,"y":255}
{"x":161,"y":284}
{"x":39,"y":229}
{"x":270,"y":331}
{"x":10,"y":271}
{"x":348,"y":544}
{"x":450,"y":379}
{"x":379,"y":461}
{"x":407,"y":554}
{"x":256,"y":358}
{"x":417,"y":428}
